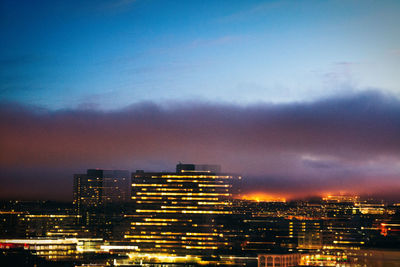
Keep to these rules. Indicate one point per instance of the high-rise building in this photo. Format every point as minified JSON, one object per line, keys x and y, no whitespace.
{"x":183,"y":212}
{"x":100,"y":187}
{"x":97,"y":198}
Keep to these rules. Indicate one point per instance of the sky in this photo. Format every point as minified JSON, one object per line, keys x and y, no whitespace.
{"x":300,"y":97}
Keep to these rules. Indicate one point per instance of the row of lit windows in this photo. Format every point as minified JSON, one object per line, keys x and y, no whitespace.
{"x":187,"y":247}
{"x":182,"y":194}
{"x":175,"y":198}
{"x":176,"y":238}
{"x":185,"y":211}
{"x":193,"y":181}
{"x":163,"y":220}
{"x":150,"y":223}
{"x":194,"y":176}
{"x":181,"y":234}
{"x":171,"y":241}
{"x":151,"y":185}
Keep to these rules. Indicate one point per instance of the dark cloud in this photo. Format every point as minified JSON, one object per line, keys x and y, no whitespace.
{"x":320,"y":164}
{"x":349,"y":143}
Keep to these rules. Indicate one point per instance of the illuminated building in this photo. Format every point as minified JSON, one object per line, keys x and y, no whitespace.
{"x":54,"y":249}
{"x":367,"y":208}
{"x":49,"y":225}
{"x":281,"y":260}
{"x":98,"y":187}
{"x":341,"y":199}
{"x":39,"y":219}
{"x":98,"y":196}
{"x":307,"y":232}
{"x":58,"y":248}
{"x":257,"y":231}
{"x":183,"y":212}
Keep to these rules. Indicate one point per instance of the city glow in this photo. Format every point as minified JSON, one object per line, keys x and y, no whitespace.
{"x":263,"y":197}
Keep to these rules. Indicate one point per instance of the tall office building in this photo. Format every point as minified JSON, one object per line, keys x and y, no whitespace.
{"x":183,"y":212}
{"x":95,"y":192}
{"x":100,"y":187}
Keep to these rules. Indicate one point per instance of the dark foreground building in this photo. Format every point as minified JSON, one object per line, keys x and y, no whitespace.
{"x":183,"y":212}
{"x":98,"y":187}
{"x":99,"y":199}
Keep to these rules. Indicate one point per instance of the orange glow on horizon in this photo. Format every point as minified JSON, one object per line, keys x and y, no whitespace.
{"x":284,"y":197}
{"x":262,"y":197}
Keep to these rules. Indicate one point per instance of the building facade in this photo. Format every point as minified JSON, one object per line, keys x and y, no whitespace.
{"x":100,"y":187}
{"x":98,"y":198}
{"x":183,"y":212}
{"x":279,"y":260}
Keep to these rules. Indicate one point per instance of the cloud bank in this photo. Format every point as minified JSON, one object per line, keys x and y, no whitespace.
{"x":349,"y":144}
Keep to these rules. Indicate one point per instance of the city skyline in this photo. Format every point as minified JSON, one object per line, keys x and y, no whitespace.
{"x":200,"y":133}
{"x":190,"y":216}
{"x":301,"y":99}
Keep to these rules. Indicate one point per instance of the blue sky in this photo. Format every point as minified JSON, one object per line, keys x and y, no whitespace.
{"x":111,"y":54}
